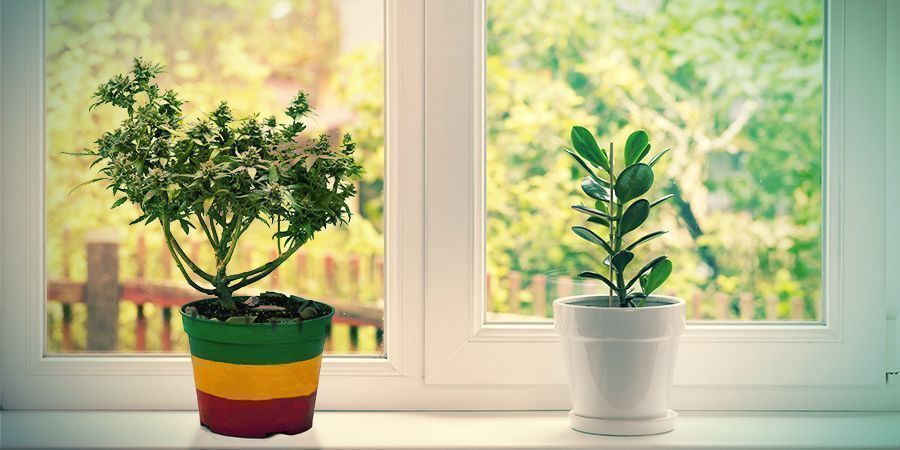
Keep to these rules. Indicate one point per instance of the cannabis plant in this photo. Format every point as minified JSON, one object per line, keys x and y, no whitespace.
{"x":619,"y":208}
{"x":218,"y":175}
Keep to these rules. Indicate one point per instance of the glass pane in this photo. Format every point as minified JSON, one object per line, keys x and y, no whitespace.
{"x":733,"y":87}
{"x":113,"y":287}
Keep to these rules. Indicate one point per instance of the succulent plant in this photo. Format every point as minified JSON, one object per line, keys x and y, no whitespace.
{"x":619,"y":208}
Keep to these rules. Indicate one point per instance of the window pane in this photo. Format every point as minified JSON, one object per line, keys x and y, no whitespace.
{"x":735,"y":88}
{"x":257,"y":55}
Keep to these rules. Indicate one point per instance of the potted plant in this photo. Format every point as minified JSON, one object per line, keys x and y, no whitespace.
{"x":620,"y":349}
{"x":256,"y":359}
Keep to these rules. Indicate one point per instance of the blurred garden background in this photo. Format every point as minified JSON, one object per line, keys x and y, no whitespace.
{"x":256,"y":55}
{"x":734,"y":87}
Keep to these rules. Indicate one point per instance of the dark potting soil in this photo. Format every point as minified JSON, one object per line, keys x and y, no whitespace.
{"x":268,"y":307}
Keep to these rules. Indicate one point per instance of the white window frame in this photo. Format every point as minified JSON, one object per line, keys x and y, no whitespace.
{"x":837,"y":364}
{"x":439,"y":353}
{"x":33,"y":380}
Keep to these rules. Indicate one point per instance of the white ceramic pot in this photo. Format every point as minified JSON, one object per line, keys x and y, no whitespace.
{"x":620,"y":362}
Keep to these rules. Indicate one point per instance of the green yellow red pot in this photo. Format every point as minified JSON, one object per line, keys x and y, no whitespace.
{"x":255,"y":380}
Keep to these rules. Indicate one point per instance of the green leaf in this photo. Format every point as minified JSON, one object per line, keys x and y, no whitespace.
{"x":655,"y":159}
{"x":646,"y":238}
{"x":644,"y":153}
{"x":138,"y":220}
{"x":597,"y":276}
{"x":598,"y":221}
{"x":86,"y":183}
{"x":273,"y":174}
{"x":594,"y":190}
{"x":207,"y":203}
{"x":580,"y":162}
{"x":172,"y":190}
{"x":590,"y":236}
{"x":81,"y":153}
{"x":656,"y":277}
{"x":635,"y":145}
{"x":644,"y":269}
{"x":621,"y":259}
{"x":591,"y":212}
{"x":185,"y":225}
{"x":633,"y":182}
{"x":634,"y":216}
{"x":587,"y":147}
{"x":662,"y":199}
{"x":118,"y":202}
{"x":240,"y":319}
{"x":587,"y":168}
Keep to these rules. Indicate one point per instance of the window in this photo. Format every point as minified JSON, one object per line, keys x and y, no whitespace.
{"x":734,"y":88}
{"x":333,"y":50}
{"x":441,"y":350}
{"x":485,"y":127}
{"x":358,"y":93}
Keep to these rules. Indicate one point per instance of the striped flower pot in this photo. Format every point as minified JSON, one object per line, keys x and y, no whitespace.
{"x":255,"y":380}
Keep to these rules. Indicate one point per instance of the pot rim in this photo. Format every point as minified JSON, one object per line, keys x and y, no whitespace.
{"x":569,"y":302}
{"x":268,"y":325}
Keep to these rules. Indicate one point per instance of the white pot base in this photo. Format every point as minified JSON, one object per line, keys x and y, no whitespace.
{"x":623,"y":427}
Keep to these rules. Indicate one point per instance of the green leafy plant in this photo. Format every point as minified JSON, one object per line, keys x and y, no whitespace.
{"x":219,"y":175}
{"x":619,"y":208}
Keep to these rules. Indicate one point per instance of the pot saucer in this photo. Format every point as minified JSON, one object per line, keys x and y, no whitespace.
{"x":623,"y":427}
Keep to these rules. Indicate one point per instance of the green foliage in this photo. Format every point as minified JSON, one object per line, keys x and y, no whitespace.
{"x":587,"y":147}
{"x":220,"y":175}
{"x":657,"y":276}
{"x":636,"y":147}
{"x":632,"y":182}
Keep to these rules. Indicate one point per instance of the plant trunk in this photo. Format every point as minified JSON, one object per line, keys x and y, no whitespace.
{"x":621,"y":292}
{"x":224,"y":294}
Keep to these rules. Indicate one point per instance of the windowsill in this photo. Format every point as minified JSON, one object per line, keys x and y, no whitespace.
{"x":180,"y":429}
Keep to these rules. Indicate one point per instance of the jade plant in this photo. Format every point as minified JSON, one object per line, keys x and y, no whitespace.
{"x":217,"y":175}
{"x":619,"y":209}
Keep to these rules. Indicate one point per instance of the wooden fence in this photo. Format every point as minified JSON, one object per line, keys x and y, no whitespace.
{"x":532,"y":298}
{"x":514,"y":297}
{"x":102,"y":294}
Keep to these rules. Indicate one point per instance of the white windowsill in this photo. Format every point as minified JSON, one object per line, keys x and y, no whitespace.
{"x":538,"y":429}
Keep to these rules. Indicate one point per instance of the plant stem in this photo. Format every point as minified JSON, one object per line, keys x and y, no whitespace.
{"x":194,"y":267}
{"x":212,"y":240}
{"x":612,"y":185}
{"x":230,"y":234}
{"x":184,"y":272}
{"x":252,"y":276}
{"x":234,"y":232}
{"x":212,"y":228}
{"x":622,"y":291}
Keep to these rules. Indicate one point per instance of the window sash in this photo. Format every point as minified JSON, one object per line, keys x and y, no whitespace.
{"x":34,"y":380}
{"x":847,"y":349}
